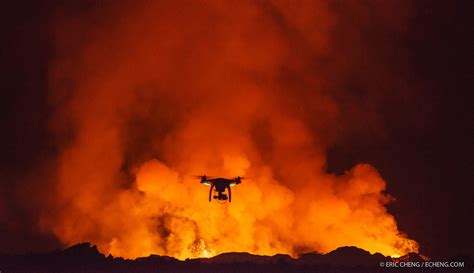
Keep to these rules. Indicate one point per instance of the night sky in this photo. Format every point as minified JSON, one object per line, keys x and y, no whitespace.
{"x":424,"y":154}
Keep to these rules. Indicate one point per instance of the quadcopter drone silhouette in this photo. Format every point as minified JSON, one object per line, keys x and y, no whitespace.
{"x":220,"y":185}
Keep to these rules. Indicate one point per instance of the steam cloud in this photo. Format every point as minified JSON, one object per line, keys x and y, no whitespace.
{"x":149,"y":94}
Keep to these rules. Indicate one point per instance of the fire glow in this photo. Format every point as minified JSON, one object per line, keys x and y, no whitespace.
{"x":151,"y":94}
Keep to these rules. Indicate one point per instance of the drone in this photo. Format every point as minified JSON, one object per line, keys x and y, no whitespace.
{"x":220,"y":185}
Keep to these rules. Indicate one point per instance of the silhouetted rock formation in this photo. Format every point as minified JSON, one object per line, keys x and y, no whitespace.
{"x":86,"y":258}
{"x":345,"y":256}
{"x":244,"y":257}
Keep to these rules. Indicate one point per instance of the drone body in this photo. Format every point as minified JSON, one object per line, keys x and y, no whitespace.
{"x":220,"y":185}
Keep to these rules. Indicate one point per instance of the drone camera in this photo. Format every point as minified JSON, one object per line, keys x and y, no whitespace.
{"x":221,"y":197}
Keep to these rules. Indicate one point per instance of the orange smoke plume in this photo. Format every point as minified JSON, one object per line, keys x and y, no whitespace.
{"x":149,"y":94}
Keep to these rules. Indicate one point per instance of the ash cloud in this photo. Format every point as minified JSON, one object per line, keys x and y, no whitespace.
{"x":149,"y":93}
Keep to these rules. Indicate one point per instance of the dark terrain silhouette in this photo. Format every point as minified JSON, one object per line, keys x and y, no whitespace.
{"x":86,"y":258}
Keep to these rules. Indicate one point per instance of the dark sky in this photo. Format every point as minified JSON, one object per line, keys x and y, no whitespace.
{"x":429,"y":168}
{"x":432,"y":170}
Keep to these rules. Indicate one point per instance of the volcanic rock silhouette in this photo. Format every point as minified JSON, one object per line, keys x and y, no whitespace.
{"x":86,"y":258}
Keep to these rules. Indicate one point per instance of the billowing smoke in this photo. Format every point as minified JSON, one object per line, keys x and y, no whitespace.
{"x":150,"y":94}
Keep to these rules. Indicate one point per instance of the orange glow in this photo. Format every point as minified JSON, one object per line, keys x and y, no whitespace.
{"x":156,"y":93}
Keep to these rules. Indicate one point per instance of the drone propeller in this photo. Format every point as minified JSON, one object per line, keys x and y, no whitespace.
{"x":239,"y":178}
{"x":202,"y":176}
{"x":204,"y":179}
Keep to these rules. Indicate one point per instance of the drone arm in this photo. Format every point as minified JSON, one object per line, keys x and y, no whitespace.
{"x":210,"y":192}
{"x":230,"y":194}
